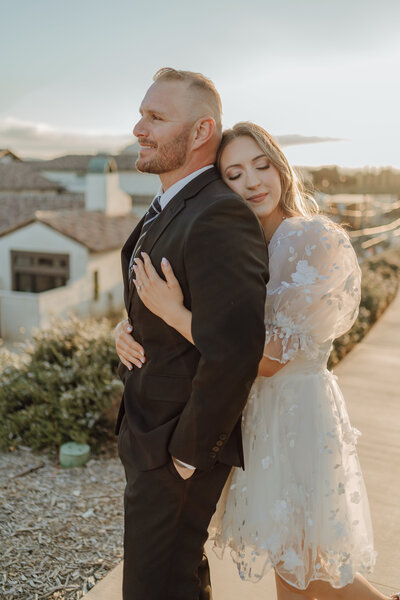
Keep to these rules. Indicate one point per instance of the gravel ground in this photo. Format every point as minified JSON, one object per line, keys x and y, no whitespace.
{"x":60,"y":529}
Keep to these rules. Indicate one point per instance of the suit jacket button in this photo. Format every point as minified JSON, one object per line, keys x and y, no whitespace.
{"x":219,"y":443}
{"x":223,"y":436}
{"x":212,"y":455}
{"x":215,"y":449}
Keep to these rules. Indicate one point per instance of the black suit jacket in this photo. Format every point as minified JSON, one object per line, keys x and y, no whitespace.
{"x":186,"y":401}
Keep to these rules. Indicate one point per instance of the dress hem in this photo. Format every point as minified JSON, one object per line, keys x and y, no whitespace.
{"x":220,"y":552}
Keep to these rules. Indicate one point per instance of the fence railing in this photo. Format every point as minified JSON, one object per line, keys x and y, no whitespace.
{"x":369,"y":212}
{"x":369,"y":237}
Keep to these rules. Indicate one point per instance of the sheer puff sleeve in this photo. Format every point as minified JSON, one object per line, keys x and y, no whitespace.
{"x":314,"y":289}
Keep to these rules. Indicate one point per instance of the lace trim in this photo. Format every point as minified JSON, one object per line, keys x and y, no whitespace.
{"x":291,"y":342}
{"x":336,"y":568}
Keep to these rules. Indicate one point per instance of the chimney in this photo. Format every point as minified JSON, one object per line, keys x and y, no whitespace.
{"x":102,"y":188}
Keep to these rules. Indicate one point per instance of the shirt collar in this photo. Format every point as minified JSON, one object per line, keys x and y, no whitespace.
{"x":166,"y":196}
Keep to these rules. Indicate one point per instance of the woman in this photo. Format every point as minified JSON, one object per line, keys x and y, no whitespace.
{"x":300,"y":506}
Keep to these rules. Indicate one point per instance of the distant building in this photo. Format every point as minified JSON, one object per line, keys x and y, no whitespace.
{"x":60,"y":251}
{"x":71,"y":172}
{"x":6,"y":156}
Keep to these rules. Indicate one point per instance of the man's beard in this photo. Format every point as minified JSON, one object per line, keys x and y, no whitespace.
{"x":168,"y":157}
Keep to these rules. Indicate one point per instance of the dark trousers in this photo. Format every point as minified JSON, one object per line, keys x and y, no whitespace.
{"x":166,"y":521}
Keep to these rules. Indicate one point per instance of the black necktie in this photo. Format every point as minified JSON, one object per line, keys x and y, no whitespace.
{"x":151,"y":215}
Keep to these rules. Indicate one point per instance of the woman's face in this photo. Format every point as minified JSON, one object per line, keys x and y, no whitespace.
{"x":250,"y":173}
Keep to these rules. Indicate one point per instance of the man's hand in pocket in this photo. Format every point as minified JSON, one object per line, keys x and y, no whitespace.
{"x":184,"y":472}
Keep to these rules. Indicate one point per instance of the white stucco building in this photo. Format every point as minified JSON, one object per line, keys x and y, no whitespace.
{"x":60,"y":252}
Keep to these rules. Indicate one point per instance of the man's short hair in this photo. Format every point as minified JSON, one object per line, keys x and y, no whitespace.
{"x":197,"y":82}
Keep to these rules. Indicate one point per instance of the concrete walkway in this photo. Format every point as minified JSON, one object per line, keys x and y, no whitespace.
{"x":370,"y":380}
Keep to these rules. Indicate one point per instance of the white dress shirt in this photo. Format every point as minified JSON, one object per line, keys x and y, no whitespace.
{"x":172,"y":191}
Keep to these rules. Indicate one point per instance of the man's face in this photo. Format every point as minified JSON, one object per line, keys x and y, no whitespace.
{"x":165,"y":127}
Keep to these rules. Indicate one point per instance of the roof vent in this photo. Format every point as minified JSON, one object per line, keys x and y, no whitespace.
{"x":102,"y":164}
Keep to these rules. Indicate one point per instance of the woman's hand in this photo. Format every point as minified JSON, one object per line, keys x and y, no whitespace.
{"x":129,"y":351}
{"x":163,"y":298}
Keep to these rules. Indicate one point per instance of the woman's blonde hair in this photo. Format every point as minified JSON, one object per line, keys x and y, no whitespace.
{"x":294,"y":200}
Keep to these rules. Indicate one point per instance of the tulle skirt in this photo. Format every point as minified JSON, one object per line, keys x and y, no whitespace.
{"x":300,"y":506}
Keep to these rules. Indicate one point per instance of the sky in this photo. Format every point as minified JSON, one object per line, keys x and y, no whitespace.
{"x":323,"y":76}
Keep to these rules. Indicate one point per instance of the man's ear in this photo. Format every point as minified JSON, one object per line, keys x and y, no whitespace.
{"x":203,"y":132}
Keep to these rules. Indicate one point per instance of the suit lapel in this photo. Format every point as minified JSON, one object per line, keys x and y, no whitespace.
{"x":175,"y":205}
{"x":168,"y":214}
{"x":126,"y":254}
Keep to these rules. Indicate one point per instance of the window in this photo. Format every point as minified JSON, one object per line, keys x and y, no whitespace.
{"x":96,"y":288}
{"x":38,"y":271}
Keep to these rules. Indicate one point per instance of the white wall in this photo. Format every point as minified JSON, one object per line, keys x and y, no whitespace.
{"x":103,"y":193}
{"x":21,"y":311}
{"x":132,"y":182}
{"x":38,"y":237}
{"x":142,"y":184}
{"x":108,"y":266}
{"x":79,"y":296}
{"x":72,"y":181}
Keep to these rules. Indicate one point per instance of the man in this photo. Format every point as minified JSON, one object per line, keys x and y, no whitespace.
{"x":180,"y":417}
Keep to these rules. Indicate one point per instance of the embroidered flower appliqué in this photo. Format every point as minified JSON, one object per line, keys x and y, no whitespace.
{"x":305,"y":274}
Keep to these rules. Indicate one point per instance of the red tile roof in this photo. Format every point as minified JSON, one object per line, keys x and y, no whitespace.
{"x":5,"y":153}
{"x":95,"y":230}
{"x":19,"y":208}
{"x":80,"y":163}
{"x":15,"y":176}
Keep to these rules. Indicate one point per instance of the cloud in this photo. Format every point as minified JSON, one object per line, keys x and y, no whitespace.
{"x":294,"y":139}
{"x":38,"y":140}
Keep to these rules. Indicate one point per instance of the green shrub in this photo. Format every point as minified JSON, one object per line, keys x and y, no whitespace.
{"x":66,"y":385}
{"x":64,"y":388}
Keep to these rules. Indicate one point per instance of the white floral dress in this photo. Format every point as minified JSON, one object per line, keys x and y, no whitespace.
{"x":301,"y":506}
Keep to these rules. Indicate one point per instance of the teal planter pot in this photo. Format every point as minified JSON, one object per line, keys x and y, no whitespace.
{"x":73,"y":454}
